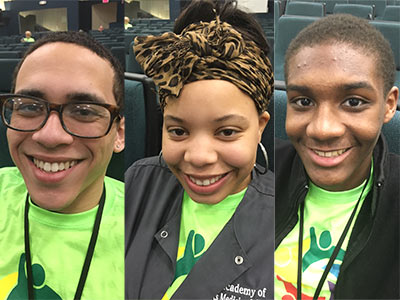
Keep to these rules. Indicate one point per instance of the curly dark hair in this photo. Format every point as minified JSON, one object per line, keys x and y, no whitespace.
{"x":86,"y":41}
{"x":347,"y":29}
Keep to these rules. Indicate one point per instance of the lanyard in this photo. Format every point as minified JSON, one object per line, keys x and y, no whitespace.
{"x":335,"y":251}
{"x":89,"y":253}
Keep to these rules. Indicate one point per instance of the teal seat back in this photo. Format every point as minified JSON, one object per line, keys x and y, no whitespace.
{"x":330,"y":4}
{"x":391,"y":31}
{"x":132,"y":66}
{"x":380,"y":6}
{"x":392,"y":13}
{"x":306,"y":9}
{"x":135,"y":121}
{"x":5,"y":157}
{"x":358,"y":10}
{"x":7,"y":67}
{"x":391,"y":131}
{"x":280,"y":114}
{"x":288,"y":28}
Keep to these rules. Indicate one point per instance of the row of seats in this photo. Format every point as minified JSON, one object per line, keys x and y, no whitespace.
{"x":113,"y":39}
{"x":390,"y":13}
{"x":379,"y":6}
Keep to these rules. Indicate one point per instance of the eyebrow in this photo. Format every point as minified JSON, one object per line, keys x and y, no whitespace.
{"x":79,"y":97}
{"x":298,"y":88}
{"x":173,"y":119}
{"x":31,"y":92}
{"x":84,"y":97}
{"x":357,"y":85}
{"x":347,"y":86}
{"x":231,"y":117}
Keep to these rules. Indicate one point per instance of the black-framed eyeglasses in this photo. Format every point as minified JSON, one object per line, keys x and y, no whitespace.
{"x":81,"y":119}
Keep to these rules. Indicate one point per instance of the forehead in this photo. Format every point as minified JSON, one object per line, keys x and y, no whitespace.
{"x":60,"y":68}
{"x":211,"y":97}
{"x":329,"y":64}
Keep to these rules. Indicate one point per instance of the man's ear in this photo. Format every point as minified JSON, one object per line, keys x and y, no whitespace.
{"x":262,"y":122}
{"x":119,"y":143}
{"x":391,"y":104}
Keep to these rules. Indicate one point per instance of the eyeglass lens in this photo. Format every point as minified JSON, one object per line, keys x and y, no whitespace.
{"x":82,"y":119}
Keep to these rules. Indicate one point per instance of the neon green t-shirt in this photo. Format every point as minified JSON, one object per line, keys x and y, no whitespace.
{"x":29,"y":40}
{"x":325,"y":216}
{"x":59,"y":244}
{"x":200,"y":225}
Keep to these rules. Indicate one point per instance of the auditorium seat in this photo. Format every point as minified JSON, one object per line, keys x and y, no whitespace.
{"x":288,"y":27}
{"x":392,"y":13}
{"x":330,"y":4}
{"x":132,"y":66}
{"x":7,"y":66}
{"x":358,"y":10}
{"x":119,"y":53}
{"x":306,"y":9}
{"x":379,"y":5}
{"x":10,"y":54}
{"x":391,"y":31}
{"x":144,"y":118}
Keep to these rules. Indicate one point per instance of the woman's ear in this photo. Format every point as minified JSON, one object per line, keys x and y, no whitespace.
{"x":263,"y":119}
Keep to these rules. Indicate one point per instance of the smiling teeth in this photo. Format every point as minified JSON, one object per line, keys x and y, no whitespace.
{"x":52,"y":167}
{"x":330,"y":153}
{"x":205,"y":182}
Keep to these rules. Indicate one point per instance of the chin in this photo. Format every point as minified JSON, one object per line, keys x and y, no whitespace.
{"x":206,"y":199}
{"x":50,"y":202}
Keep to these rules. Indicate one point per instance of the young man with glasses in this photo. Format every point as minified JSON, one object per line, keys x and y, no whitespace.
{"x":337,"y":185}
{"x":61,"y":219}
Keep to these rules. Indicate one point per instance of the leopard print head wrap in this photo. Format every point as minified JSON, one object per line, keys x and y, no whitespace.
{"x":205,"y":50}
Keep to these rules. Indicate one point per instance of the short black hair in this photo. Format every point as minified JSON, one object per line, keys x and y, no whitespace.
{"x":206,"y":10}
{"x":86,"y":41}
{"x":354,"y":31}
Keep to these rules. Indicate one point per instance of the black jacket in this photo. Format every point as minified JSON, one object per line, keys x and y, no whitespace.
{"x":370,"y":268}
{"x":153,"y":213}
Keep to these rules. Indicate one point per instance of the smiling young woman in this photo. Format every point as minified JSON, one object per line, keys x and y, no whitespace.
{"x":200,"y":217}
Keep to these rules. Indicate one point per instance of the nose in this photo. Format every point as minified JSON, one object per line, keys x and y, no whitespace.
{"x":201,"y":152}
{"x":325,"y":124}
{"x":52,"y":134}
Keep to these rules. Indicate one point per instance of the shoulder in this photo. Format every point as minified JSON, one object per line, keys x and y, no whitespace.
{"x":12,"y":187}
{"x":10,"y":177}
{"x":115,"y":199}
{"x":288,"y":166}
{"x":114,"y":184}
{"x":147,"y":163}
{"x":264,"y":184}
{"x":286,"y":153}
{"x":149,"y":183}
{"x":392,"y":170}
{"x":148,"y":171}
{"x":152,"y":194}
{"x":10,"y":171}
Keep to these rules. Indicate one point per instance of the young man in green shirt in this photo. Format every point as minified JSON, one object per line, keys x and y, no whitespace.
{"x":61,"y":219}
{"x":337,"y":185}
